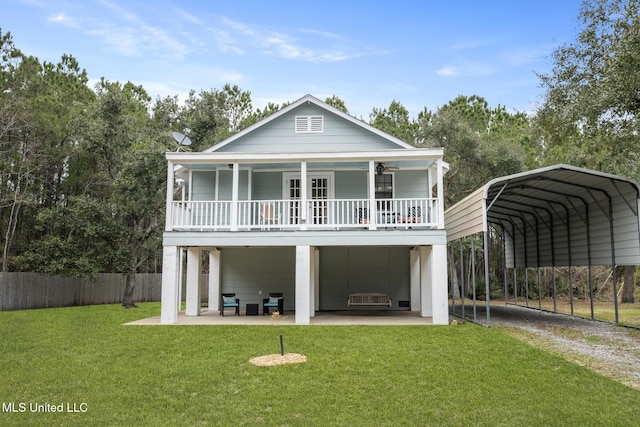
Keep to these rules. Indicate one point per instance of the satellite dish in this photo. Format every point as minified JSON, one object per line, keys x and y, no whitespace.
{"x":181,"y":139}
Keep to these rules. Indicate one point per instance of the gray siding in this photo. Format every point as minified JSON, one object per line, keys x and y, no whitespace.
{"x":248,"y":271}
{"x":342,"y":271}
{"x":267,"y":186}
{"x":411,"y":184}
{"x":279,"y":136}
{"x":226,"y":185}
{"x":351,"y":185}
{"x":347,"y":270}
{"x":203,"y":185}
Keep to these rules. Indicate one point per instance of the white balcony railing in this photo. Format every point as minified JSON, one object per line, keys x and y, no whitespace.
{"x":318,"y":214}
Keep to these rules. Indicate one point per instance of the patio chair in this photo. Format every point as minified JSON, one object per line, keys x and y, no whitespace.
{"x":414,"y":215}
{"x":268,"y":214}
{"x":275,"y":300}
{"x":363,"y":216}
{"x":229,"y":300}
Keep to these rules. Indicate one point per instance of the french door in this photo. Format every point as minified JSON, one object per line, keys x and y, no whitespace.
{"x":319,"y":189}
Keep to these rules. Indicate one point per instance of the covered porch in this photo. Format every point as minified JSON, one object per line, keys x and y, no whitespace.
{"x":364,"y":190}
{"x":313,"y":282}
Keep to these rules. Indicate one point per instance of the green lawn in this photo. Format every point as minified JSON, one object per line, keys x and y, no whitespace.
{"x":83,"y":358}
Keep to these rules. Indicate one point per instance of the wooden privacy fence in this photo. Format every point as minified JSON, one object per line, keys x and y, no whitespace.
{"x":19,"y":291}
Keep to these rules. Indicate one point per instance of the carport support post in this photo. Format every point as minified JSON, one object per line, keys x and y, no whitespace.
{"x":462,"y":288}
{"x":193,"y":285}
{"x":214,"y":279}
{"x":170,"y":286}
{"x":486,"y":276}
{"x":473,"y":276}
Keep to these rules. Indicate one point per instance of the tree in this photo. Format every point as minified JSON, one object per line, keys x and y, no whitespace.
{"x":38,"y":103}
{"x":215,"y":115}
{"x":106,"y":225}
{"x":338,"y":103}
{"x":590,"y":116}
{"x":395,"y":121}
{"x":481,"y":143}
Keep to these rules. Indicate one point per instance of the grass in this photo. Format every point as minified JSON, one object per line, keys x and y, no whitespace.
{"x":355,"y":375}
{"x":628,"y":314}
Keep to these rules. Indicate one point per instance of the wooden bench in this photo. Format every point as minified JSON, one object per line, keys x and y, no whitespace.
{"x":369,"y":299}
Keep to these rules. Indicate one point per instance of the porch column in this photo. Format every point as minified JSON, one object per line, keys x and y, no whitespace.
{"x":234,"y":196}
{"x":170,"y":282}
{"x":303,"y":196}
{"x":440,"y":186}
{"x":303,"y":285}
{"x":373,"y":207}
{"x":193,"y":285}
{"x":414,"y":271}
{"x":168,"y":224}
{"x":430,"y":185}
{"x":214,"y":279}
{"x":433,"y":283}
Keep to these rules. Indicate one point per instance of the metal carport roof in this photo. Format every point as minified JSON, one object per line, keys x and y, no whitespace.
{"x":555,"y":216}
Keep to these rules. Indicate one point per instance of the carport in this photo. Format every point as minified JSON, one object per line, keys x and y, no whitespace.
{"x":554,"y":216}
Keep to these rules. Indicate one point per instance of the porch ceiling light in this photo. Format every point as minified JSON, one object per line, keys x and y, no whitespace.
{"x":380,"y":169}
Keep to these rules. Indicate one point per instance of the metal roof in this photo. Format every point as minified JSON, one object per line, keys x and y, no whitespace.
{"x":557,"y":215}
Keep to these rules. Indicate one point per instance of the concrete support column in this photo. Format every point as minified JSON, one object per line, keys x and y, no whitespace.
{"x":193,"y":282}
{"x":426,"y":284}
{"x":214,"y":279}
{"x":170,"y":283}
{"x":414,"y":271}
{"x":316,"y":281}
{"x":303,"y":285}
{"x":433,"y":283}
{"x":439,"y":298}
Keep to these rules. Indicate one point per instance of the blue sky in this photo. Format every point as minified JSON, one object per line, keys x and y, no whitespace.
{"x":419,"y":53}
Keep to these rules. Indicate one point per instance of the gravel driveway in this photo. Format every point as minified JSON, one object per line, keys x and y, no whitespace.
{"x":610,"y":350}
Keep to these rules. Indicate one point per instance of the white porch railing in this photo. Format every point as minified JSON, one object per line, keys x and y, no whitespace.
{"x":319,"y":214}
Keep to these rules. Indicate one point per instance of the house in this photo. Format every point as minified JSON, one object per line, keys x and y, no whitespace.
{"x":312,"y":203}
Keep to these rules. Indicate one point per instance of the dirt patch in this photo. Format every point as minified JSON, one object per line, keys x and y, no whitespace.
{"x":278,"y":359}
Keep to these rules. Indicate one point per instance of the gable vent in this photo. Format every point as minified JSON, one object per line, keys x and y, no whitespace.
{"x":309,"y":124}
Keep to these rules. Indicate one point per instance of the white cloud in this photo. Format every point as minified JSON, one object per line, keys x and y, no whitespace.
{"x":470,"y":44}
{"x":448,"y":71}
{"x":304,"y":45}
{"x":526,"y":55}
{"x":131,"y":35}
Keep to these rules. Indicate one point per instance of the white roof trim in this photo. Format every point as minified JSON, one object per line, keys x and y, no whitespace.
{"x":317,"y":102}
{"x":345,"y":156}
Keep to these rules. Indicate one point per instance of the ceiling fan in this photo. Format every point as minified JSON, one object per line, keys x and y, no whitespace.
{"x":380,"y":168}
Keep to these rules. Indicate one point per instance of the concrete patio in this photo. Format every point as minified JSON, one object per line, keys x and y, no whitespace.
{"x":352,"y":317}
